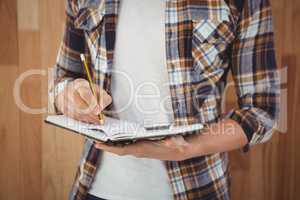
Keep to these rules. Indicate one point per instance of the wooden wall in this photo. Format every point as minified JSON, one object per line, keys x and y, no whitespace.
{"x":39,"y":161}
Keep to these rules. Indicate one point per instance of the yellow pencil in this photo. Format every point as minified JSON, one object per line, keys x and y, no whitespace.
{"x":90,"y":80}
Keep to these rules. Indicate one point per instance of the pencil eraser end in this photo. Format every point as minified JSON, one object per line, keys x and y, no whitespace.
{"x":82,"y":57}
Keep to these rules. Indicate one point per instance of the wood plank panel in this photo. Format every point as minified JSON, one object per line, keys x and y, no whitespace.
{"x":8,"y":33}
{"x":296,"y":174}
{"x":61,"y":150}
{"x":296,"y":24}
{"x":287,"y":141}
{"x":10,"y":169}
{"x":30,"y":124}
{"x":28,"y":15}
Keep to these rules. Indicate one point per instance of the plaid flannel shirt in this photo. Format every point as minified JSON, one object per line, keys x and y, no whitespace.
{"x":204,"y":40}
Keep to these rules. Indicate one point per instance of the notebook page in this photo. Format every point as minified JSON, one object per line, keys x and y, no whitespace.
{"x":76,"y":126}
{"x":118,"y":127}
{"x":173,"y":130}
{"x":111,"y":127}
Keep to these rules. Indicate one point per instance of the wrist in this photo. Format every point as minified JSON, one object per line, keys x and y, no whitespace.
{"x":202,"y":144}
{"x":57,"y":92}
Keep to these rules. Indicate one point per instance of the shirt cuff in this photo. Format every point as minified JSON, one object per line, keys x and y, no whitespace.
{"x":250,"y":121}
{"x":54,"y":92}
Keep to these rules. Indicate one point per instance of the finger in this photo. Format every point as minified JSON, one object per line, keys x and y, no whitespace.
{"x":76,"y":109}
{"x":179,"y":140}
{"x":95,"y":119}
{"x":167,"y":141}
{"x":83,"y":87}
{"x":175,"y":141}
{"x":83,"y":118}
{"x":80,"y":106}
{"x":104,"y":98}
{"x":90,"y":100}
{"x":67,"y":96}
{"x":70,"y":113}
{"x":89,"y":118}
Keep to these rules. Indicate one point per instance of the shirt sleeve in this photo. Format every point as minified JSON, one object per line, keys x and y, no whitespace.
{"x":68,"y":63}
{"x":255,"y":73}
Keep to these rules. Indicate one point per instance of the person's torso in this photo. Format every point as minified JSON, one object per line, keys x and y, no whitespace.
{"x":140,"y":93}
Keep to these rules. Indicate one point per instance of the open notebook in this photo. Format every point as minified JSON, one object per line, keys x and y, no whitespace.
{"x":115,"y":130}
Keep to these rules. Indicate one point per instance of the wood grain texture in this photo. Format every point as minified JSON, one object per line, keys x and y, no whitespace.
{"x":28,"y":15}
{"x":61,"y":150}
{"x":288,"y":141}
{"x":8,"y":33}
{"x":41,"y":160}
{"x":10,"y":167}
{"x":30,"y":124}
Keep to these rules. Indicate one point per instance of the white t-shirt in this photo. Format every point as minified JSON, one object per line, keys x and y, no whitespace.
{"x":140,"y":93}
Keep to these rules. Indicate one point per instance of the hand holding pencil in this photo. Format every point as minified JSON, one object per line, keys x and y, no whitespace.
{"x":79,"y":100}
